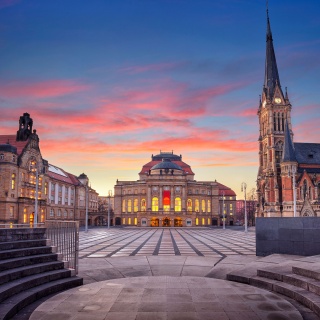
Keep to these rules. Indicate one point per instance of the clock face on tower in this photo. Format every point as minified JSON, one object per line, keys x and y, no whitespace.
{"x":277,"y":100}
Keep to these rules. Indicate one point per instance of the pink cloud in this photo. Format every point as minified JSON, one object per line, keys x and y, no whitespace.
{"x":152,"y":67}
{"x":43,"y":89}
{"x":8,"y":3}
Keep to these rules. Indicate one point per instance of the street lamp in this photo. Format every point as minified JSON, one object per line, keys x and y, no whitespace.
{"x":223,"y":215}
{"x":244,"y":188}
{"x":292,"y":173}
{"x":109,"y":196}
{"x":35,"y":168}
{"x":87,"y":200}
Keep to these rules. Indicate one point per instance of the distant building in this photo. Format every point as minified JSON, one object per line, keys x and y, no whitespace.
{"x":166,"y":194}
{"x":287,"y":171}
{"x":61,"y":195}
{"x":240,"y":212}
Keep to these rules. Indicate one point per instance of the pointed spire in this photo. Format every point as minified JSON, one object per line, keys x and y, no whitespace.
{"x":288,"y":148}
{"x":271,"y":78}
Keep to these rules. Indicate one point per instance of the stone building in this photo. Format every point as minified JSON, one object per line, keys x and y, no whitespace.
{"x":288,"y":181}
{"x":166,"y":194}
{"x":61,"y":195}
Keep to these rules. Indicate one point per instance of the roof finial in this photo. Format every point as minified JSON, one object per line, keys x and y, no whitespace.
{"x":287,"y":98}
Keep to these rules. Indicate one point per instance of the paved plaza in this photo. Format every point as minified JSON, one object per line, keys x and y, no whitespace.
{"x":204,"y":242}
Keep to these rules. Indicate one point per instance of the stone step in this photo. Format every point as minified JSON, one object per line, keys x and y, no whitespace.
{"x":11,"y":306}
{"x":14,"y":287}
{"x":23,"y":244}
{"x":28,"y":260}
{"x":313,"y":271}
{"x":14,"y":253}
{"x":24,"y":271}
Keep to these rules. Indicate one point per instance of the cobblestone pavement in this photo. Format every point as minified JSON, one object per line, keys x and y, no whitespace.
{"x":205,"y":242}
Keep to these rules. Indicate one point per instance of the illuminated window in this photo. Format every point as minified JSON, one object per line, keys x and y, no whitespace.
{"x":129,"y":220}
{"x":155,"y":204}
{"x":196,"y":205}
{"x":143,"y":205}
{"x":203,"y":221}
{"x":208,"y":221}
{"x":135,"y":221}
{"x":25,"y":218}
{"x":166,"y":200}
{"x":123,"y":205}
{"x":209,"y":206}
{"x":177,"y":205}
{"x":231,"y":207}
{"x":203,"y":205}
{"x":189,"y":205}
{"x":123,"y":220}
{"x":129,"y":206}
{"x":11,"y":212}
{"x":42,"y":215}
{"x":135,"y":205}
{"x":197,"y":221}
{"x":13,"y":181}
{"x":46,"y":188}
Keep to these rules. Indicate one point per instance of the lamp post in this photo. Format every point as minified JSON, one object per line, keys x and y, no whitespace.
{"x":109,"y":196}
{"x":87,"y":200}
{"x":35,"y":219}
{"x":292,"y":173}
{"x":244,"y":189}
{"x":223,"y":215}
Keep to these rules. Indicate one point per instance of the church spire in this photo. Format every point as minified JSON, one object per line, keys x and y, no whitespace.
{"x":271,"y":78}
{"x":288,"y":148}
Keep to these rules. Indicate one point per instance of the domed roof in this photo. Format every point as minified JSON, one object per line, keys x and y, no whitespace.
{"x":7,"y":147}
{"x":166,"y":164}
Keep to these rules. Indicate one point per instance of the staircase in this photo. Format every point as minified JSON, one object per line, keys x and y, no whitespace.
{"x":29,"y":270}
{"x":298,"y":280}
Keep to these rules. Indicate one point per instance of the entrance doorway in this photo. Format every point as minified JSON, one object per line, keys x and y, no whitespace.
{"x":178,"y":222}
{"x":166,"y":222}
{"x":118,"y":221}
{"x":214,"y":222}
{"x":154,"y":222}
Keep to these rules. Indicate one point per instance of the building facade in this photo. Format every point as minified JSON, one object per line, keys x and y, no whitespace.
{"x":24,"y":173}
{"x":288,"y":181}
{"x":166,"y":195}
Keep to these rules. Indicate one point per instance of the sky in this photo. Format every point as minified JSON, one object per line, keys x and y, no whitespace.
{"x":108,"y":83}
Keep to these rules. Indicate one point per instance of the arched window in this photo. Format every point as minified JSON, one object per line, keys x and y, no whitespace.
{"x":135,"y":205}
{"x":203,"y":205}
{"x":155,"y":204}
{"x":51,"y":212}
{"x":209,"y":206}
{"x":196,"y":205}
{"x":143,"y":205}
{"x":177,"y":204}
{"x":305,"y":189}
{"x":274,"y":122}
{"x":278,"y":151}
{"x":13,"y":181}
{"x":129,"y":206}
{"x":282,"y":122}
{"x":123,"y":205}
{"x":65,"y":213}
{"x":189,"y":205}
{"x":59,"y":213}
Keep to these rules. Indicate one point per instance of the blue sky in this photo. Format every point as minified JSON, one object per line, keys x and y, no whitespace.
{"x":108,"y":83}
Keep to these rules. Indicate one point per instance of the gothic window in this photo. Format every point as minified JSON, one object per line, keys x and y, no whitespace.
{"x":135,"y":205}
{"x":155,"y":204}
{"x":13,"y":181}
{"x":305,"y":188}
{"x":177,"y":204}
{"x":278,"y":151}
{"x":209,"y":206}
{"x":196,"y":205}
{"x":203,"y":205}
{"x":189,"y":205}
{"x":282,"y":121}
{"x":143,"y":205}
{"x":279,"y":122}
{"x":129,"y":206}
{"x":274,"y":122}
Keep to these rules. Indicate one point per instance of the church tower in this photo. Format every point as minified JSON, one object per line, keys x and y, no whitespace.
{"x":25,"y":127}
{"x":273,"y":112}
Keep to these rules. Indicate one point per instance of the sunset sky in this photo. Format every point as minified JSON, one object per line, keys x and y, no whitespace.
{"x":110,"y":82}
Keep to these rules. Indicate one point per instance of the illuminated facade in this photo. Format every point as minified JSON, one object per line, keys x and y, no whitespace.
{"x":166,"y":195}
{"x":289,"y":173}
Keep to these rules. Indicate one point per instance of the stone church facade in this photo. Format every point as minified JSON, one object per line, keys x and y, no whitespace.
{"x":166,"y":195}
{"x":288,"y":181}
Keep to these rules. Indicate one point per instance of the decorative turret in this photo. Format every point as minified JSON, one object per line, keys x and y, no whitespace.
{"x":25,"y":127}
{"x":288,"y":148}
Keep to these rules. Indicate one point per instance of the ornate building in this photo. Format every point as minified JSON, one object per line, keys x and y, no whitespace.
{"x":288,"y":182}
{"x":167,"y":195}
{"x":23,"y":173}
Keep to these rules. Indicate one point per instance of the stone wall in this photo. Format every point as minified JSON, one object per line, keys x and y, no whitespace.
{"x":18,"y":234}
{"x":297,"y":236}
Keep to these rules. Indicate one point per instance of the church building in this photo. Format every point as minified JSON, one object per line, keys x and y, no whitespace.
{"x":288,"y":181}
{"x":166,"y":195}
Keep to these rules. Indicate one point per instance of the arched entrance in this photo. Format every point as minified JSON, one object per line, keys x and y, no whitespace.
{"x":118,"y":221}
{"x":178,"y":222}
{"x":166,"y":222}
{"x":214,"y":221}
{"x":154,"y":222}
{"x":100,"y":221}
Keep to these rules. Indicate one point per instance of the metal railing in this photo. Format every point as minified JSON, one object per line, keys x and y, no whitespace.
{"x":21,"y":225}
{"x":65,"y":235}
